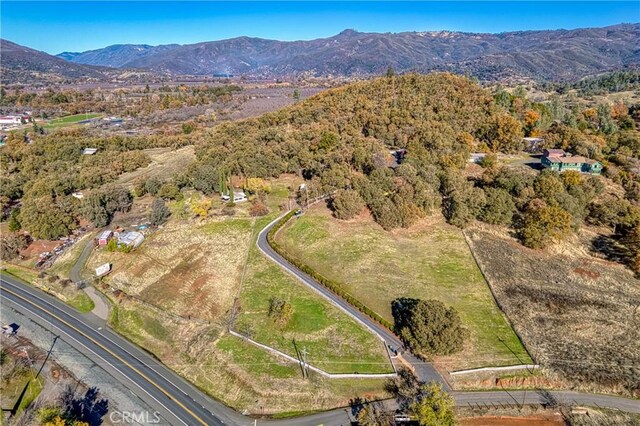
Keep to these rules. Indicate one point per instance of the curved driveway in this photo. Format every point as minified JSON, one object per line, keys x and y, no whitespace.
{"x":425,"y":371}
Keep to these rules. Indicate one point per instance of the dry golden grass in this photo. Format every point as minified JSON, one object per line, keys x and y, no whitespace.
{"x":230,"y":369}
{"x":577,"y":314}
{"x":188,"y":267}
{"x":164,"y":163}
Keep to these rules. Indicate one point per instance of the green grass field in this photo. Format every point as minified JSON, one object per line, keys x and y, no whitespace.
{"x":69,"y":120}
{"x":334,"y":341}
{"x":429,"y":261}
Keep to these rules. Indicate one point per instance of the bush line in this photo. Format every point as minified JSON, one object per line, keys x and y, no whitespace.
{"x":331,"y":285}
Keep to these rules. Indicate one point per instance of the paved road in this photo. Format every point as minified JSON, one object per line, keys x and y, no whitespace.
{"x":181,"y":403}
{"x":101,"y":306}
{"x":177,"y":401}
{"x":425,"y":371}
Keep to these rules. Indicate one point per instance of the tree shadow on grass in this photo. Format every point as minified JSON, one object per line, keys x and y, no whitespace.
{"x":611,"y":249}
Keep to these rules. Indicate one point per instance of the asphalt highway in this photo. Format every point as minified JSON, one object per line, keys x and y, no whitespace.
{"x":141,"y":373}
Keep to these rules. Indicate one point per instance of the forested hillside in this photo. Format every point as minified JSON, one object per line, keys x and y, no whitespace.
{"x":341,"y":141}
{"x":397,"y":145}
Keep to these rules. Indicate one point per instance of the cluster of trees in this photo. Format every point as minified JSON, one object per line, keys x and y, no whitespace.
{"x":340,"y":141}
{"x":41,"y":176}
{"x":124,"y":101}
{"x":11,"y":244}
{"x":100,"y":206}
{"x":611,"y":82}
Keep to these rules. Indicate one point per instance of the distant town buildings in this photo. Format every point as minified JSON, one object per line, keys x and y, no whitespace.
{"x":14,"y":119}
{"x":561,"y":161}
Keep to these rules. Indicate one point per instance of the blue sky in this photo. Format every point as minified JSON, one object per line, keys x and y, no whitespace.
{"x":76,"y":26}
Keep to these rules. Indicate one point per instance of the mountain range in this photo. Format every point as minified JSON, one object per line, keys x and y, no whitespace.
{"x":22,"y":64}
{"x":552,"y":55}
{"x":555,"y":55}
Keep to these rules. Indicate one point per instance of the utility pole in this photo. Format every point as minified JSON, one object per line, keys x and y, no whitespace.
{"x":304,"y":362}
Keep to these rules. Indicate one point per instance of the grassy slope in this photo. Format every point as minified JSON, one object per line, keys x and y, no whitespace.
{"x":231,"y":370}
{"x":63,"y":264}
{"x":335,"y":342}
{"x":235,"y":371}
{"x":427,"y":261}
{"x":575,"y":311}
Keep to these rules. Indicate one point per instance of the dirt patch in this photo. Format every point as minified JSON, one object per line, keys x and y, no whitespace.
{"x":544,"y":420}
{"x":587,"y":273}
{"x":184,"y":267}
{"x":165,"y":162}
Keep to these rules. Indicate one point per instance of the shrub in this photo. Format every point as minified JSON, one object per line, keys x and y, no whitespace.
{"x":11,"y":244}
{"x":258,"y":208}
{"x":14,"y":223}
{"x":489,"y":161}
{"x":152,"y":186}
{"x":544,"y":224}
{"x":280,"y":311}
{"x":170,"y":191}
{"x":499,"y":208}
{"x":257,"y":185}
{"x":428,"y":327}
{"x":159,"y":212}
{"x":112,"y":245}
{"x":433,"y":407}
{"x":228,"y":210}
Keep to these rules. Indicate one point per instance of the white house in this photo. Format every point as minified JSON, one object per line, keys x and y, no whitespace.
{"x":239,"y":197}
{"x":11,"y":119}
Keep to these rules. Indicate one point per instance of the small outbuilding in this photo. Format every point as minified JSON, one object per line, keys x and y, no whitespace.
{"x":131,"y":239}
{"x":104,"y":238}
{"x":239,"y":197}
{"x":103,"y":270}
{"x":89,"y":151}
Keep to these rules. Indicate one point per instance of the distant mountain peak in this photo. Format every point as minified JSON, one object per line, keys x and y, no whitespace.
{"x":348,"y":32}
